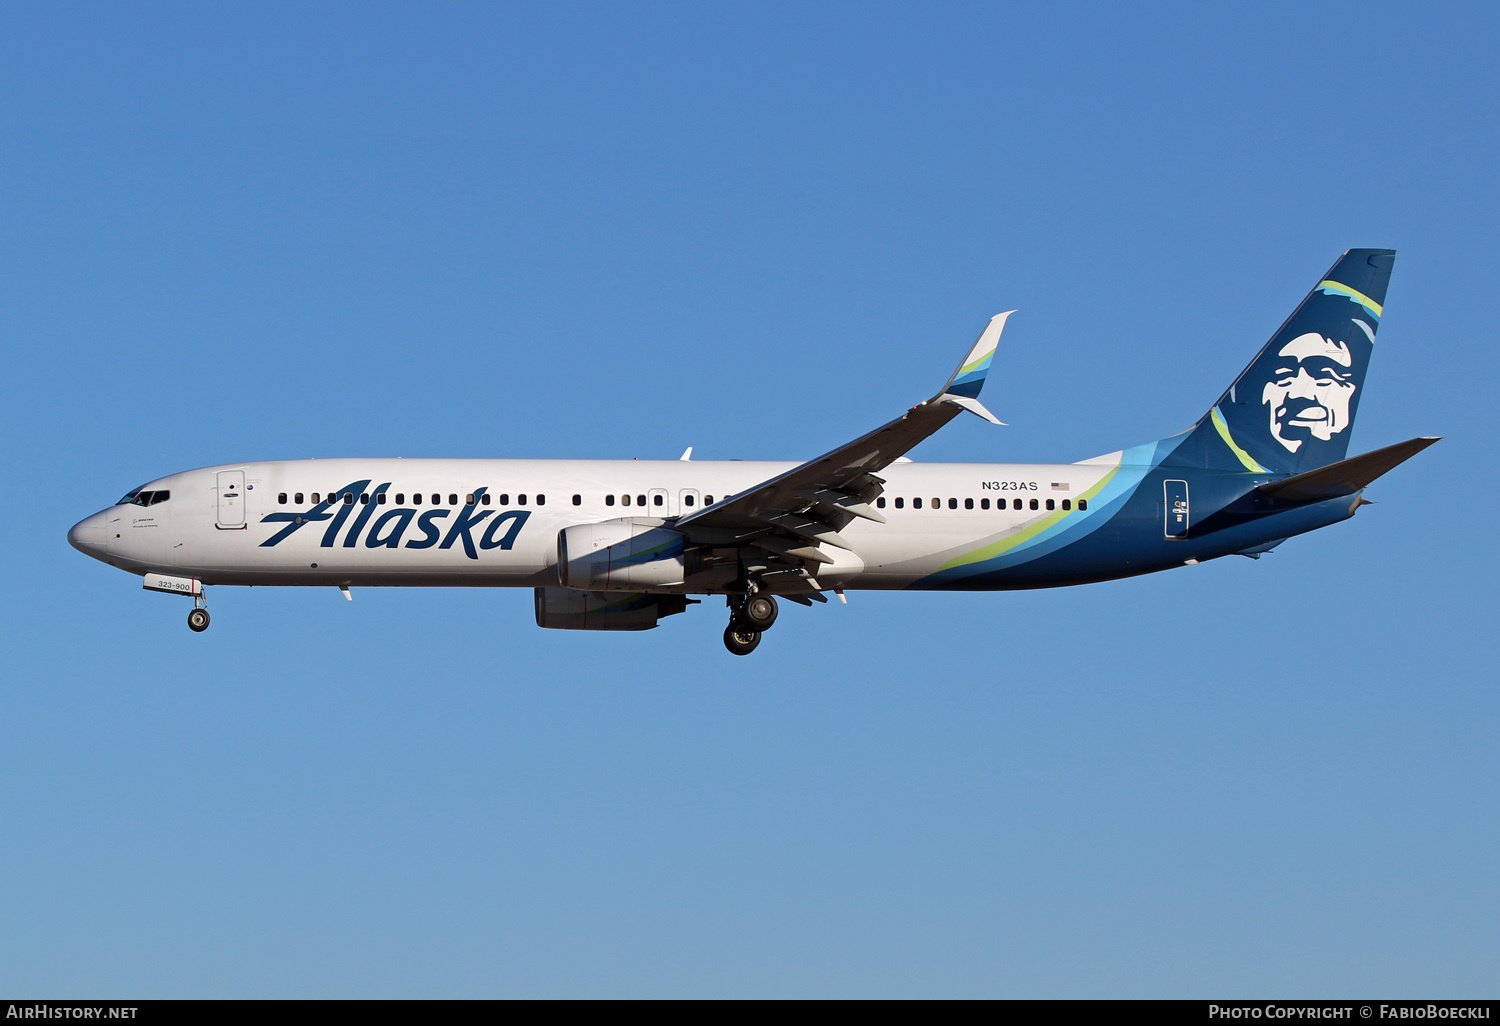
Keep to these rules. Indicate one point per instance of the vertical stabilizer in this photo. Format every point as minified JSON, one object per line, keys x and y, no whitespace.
{"x":1292,"y":409}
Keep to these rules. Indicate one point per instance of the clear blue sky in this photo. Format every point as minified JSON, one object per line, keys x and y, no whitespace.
{"x":611,"y":230}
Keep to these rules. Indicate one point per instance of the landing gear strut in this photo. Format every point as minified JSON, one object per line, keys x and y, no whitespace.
{"x":198,"y":618}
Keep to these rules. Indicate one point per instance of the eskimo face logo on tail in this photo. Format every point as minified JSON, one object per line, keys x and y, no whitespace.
{"x":1311,"y":391}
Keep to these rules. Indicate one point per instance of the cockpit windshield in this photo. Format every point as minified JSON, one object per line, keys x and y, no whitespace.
{"x":141,"y":497}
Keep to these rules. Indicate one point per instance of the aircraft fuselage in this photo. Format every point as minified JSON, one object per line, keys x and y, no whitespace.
{"x":495,"y":523}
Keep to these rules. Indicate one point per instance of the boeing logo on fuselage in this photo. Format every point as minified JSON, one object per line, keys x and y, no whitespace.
{"x":389,"y":528}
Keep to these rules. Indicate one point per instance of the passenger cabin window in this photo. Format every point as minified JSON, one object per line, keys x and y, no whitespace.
{"x":281,"y":498}
{"x":348,"y":498}
{"x":364,"y":498}
{"x":708,"y":500}
{"x":900,"y":503}
{"x":298,"y":500}
{"x":937,"y":503}
{"x":1083,"y":504}
{"x":953,"y":503}
{"x":1033,"y":504}
{"x":640,"y":500}
{"x":578,"y":500}
{"x":1017,"y":504}
{"x":916,"y":504}
{"x":380,"y":498}
{"x":485,"y":498}
{"x":968,"y":504}
{"x":1051,"y":504}
{"x":541,"y":500}
{"x":624,"y":500}
{"x":687,"y":500}
{"x":416,"y":498}
{"x":505,"y":498}
{"x":453,"y":498}
{"x":1067,"y":504}
{"x":657,"y":500}
{"x":469,"y":499}
{"x":609,"y":500}
{"x":401,"y":498}
{"x":880,"y":502}
{"x":521,"y":499}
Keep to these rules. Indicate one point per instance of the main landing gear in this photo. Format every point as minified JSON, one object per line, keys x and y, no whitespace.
{"x":749,"y":617}
{"x":759,"y":611}
{"x":198,"y":618}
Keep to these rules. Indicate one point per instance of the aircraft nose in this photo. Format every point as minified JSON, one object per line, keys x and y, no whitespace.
{"x":87,"y":536}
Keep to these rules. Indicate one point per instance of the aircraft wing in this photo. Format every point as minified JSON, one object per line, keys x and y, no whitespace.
{"x":790,"y":517}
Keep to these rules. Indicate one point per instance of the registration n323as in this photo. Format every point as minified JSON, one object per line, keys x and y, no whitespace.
{"x":617,"y":545}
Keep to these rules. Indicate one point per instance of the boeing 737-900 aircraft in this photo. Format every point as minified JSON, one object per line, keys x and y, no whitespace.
{"x":617,"y":545}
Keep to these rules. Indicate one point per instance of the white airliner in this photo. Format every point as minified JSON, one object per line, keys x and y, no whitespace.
{"x":617,"y":545}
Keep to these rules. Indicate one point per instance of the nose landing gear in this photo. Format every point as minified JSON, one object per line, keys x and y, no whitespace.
{"x":198,"y":618}
{"x":748,"y":619}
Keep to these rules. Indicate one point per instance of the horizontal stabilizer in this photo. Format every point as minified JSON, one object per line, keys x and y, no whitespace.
{"x":1345,"y":477}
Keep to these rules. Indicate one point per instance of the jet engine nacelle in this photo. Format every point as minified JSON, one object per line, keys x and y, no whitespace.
{"x":620,"y":555}
{"x":569,"y":610}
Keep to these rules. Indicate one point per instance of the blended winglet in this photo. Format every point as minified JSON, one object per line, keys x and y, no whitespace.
{"x":963,"y":387}
{"x":969,"y":378}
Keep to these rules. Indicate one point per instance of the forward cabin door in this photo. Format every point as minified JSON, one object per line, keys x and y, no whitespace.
{"x":231,"y":500}
{"x":1177,"y":508}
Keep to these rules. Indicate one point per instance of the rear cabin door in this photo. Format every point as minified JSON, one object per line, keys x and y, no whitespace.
{"x":231,"y":500}
{"x":1176,"y":508}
